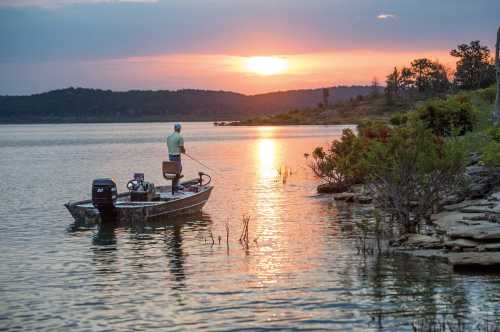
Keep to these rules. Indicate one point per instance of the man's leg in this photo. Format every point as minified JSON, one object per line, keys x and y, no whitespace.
{"x":175,"y":181}
{"x":179,"y":163}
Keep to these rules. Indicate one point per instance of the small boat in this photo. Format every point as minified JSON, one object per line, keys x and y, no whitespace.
{"x":143,"y":201}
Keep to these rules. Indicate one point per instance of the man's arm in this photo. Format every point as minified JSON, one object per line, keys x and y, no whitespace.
{"x":181,"y":145}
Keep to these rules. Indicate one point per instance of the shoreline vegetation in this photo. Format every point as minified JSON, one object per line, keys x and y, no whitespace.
{"x":353,"y":111}
{"x":432,"y":172}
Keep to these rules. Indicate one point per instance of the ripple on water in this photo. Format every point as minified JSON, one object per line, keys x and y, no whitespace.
{"x":299,"y":271}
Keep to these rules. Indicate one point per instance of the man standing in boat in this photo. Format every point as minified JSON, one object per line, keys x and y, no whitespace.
{"x":175,"y":144}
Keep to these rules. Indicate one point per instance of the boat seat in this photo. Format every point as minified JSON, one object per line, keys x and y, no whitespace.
{"x":171,"y":171}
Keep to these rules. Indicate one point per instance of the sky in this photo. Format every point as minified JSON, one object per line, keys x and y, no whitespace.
{"x":206,"y":44}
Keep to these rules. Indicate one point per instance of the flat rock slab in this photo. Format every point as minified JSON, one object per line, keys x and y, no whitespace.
{"x":474,"y":258}
{"x":423,"y":241}
{"x":478,"y":170}
{"x":477,"y":209}
{"x":464,"y":204}
{"x":344,"y":196}
{"x":495,"y":196}
{"x":447,"y":219}
{"x":490,"y":231}
{"x":361,"y":199}
{"x":425,"y":253}
{"x":461,"y":243}
{"x":474,"y":222}
{"x":492,"y":246}
{"x":330,"y":188}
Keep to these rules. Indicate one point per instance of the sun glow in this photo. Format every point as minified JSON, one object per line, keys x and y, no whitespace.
{"x":267,"y":157}
{"x":266,"y":65}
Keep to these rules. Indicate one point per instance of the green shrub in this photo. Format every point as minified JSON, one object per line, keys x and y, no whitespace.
{"x":411,"y":171}
{"x":494,"y":134}
{"x":491,"y":154}
{"x":488,"y":95}
{"x":341,"y":164}
{"x":399,"y":119}
{"x":444,"y":117}
{"x":373,"y":130}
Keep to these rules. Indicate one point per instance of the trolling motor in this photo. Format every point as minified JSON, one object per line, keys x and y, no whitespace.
{"x":104,"y":196}
{"x":201,"y":175}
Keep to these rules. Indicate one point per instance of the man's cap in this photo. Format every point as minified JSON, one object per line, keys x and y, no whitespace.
{"x":177,"y":126}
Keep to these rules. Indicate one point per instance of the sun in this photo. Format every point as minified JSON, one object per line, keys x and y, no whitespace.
{"x":266,"y":65}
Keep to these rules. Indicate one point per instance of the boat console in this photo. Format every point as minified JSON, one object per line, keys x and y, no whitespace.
{"x":140,"y":190}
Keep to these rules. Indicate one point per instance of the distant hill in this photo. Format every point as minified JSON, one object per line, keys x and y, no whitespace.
{"x":353,"y":111}
{"x":92,"y":105}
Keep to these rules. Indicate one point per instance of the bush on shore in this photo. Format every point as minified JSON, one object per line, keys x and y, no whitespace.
{"x":408,"y":168}
{"x":340,"y":165}
{"x":443,"y":117}
{"x":412,"y":171}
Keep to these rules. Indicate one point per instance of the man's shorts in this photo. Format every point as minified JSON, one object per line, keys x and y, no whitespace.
{"x":177,"y":159}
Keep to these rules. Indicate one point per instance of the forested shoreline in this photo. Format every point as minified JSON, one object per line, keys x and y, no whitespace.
{"x":94,"y":105}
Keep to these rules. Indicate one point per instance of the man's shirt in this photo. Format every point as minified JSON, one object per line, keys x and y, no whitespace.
{"x":174,"y":142}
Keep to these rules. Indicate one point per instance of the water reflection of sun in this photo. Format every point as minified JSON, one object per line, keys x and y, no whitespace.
{"x":267,"y":158}
{"x":281,"y":250}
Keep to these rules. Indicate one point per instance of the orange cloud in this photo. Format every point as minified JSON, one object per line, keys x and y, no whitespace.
{"x":231,"y":72}
{"x":222,"y":72}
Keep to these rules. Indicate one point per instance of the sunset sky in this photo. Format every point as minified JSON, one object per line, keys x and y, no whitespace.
{"x":248,"y":46}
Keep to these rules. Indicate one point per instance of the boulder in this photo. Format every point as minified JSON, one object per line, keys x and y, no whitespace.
{"x":331,"y":188}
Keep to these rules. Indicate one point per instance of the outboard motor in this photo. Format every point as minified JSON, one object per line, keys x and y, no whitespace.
{"x":104,"y":195}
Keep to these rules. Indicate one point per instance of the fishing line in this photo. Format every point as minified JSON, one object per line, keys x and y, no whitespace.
{"x":202,"y":164}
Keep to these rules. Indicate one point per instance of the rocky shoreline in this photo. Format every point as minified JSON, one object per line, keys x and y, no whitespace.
{"x":466,"y":234}
{"x":466,"y":230}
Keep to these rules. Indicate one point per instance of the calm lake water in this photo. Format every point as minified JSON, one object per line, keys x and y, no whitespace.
{"x":301,"y":270}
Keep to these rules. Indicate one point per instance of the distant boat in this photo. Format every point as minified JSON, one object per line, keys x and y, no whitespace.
{"x":143,"y":202}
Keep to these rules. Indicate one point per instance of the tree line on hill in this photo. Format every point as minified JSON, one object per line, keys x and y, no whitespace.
{"x":94,"y":105}
{"x":475,"y":69}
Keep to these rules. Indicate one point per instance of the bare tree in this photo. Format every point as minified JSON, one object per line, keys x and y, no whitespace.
{"x":496,"y":112}
{"x":326,"y":94}
{"x":375,"y":88}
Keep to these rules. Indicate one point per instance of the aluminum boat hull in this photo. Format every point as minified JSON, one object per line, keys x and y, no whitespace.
{"x":127,"y":212}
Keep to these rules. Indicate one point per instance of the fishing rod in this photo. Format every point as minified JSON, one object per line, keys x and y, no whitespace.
{"x":202,"y":164}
